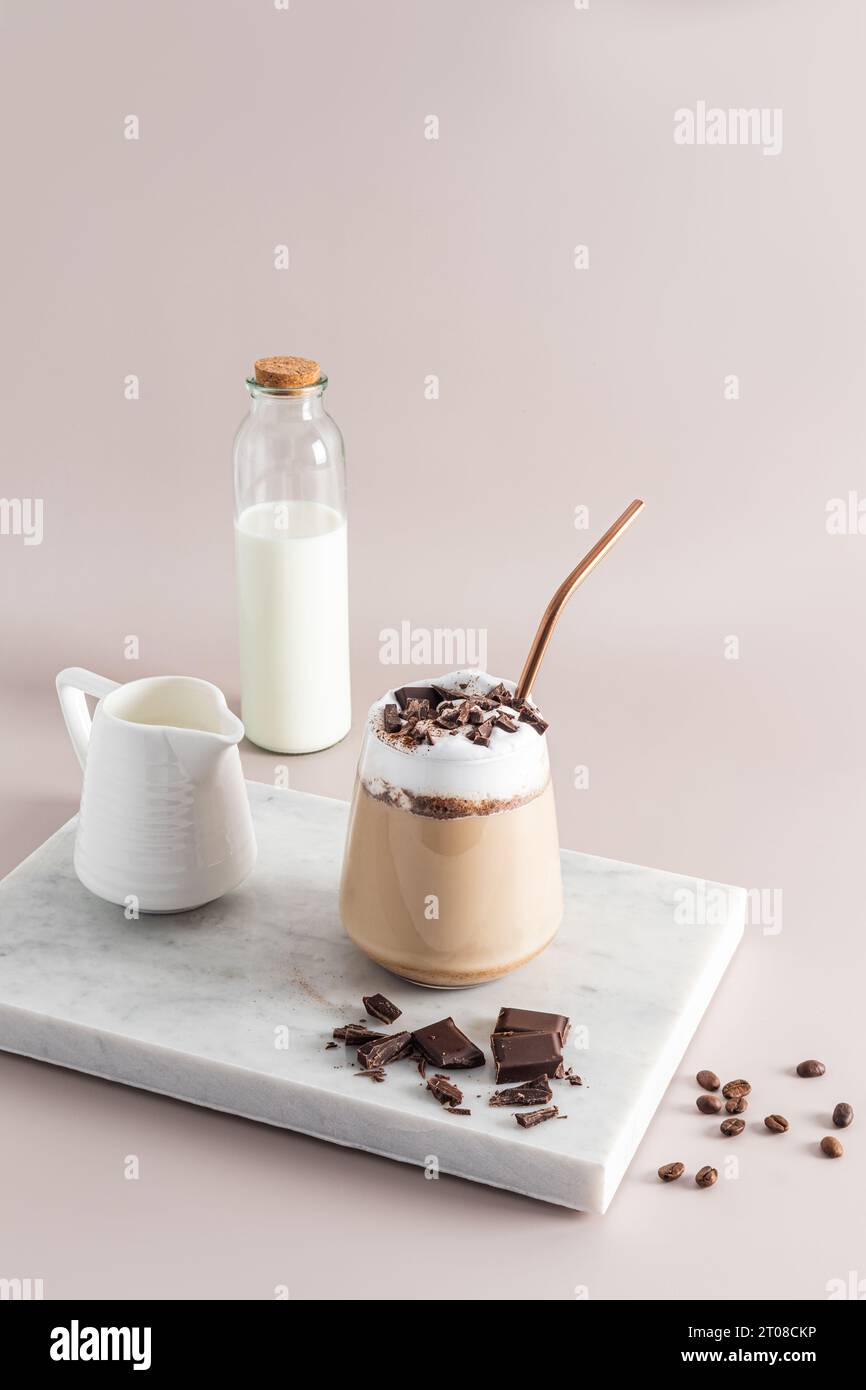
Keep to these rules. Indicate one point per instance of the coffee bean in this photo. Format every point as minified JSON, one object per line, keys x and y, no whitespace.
{"x":843,"y":1115}
{"x":776,"y":1123}
{"x":669,"y":1172}
{"x":811,"y":1068}
{"x":731,"y":1128}
{"x":732,"y":1090}
{"x":705,"y":1177}
{"x":737,"y":1106}
{"x":708,"y":1105}
{"x":708,"y":1081}
{"x":831,"y":1147}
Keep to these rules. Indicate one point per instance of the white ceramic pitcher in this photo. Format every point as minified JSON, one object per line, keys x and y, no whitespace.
{"x":165,"y":820}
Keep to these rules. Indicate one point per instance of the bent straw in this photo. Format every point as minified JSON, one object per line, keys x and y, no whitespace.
{"x":564,"y":593}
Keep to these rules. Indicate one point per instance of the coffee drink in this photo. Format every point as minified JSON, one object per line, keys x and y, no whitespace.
{"x":452,"y":874}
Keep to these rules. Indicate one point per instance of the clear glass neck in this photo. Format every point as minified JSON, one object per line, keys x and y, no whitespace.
{"x":295,"y":402}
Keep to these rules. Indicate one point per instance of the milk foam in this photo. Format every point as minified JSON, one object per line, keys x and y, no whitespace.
{"x":513,"y":766}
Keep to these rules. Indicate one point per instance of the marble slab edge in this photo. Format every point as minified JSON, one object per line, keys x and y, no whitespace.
{"x":306,"y":1110}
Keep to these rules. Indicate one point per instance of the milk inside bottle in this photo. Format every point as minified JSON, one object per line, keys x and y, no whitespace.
{"x":291,"y":560}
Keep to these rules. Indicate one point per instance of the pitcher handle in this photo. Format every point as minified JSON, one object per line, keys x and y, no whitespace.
{"x":73,"y":685}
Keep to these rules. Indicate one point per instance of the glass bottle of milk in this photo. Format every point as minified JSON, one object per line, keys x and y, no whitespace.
{"x":290,"y":547}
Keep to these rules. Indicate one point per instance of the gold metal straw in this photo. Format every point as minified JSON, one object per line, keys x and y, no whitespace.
{"x":564,"y":593}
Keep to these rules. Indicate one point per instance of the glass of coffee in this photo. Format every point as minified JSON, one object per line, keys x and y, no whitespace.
{"x":451,"y":874}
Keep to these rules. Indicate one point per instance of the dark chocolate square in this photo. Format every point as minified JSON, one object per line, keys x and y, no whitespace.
{"x":445,"y":1045}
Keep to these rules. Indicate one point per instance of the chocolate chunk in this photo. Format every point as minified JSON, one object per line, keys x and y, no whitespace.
{"x":572,"y":1077}
{"x":354,"y":1034}
{"x":384,"y":1050}
{"x":463,"y":712}
{"x":505,"y":721}
{"x":378,"y":1006}
{"x":391,"y":719}
{"x":419,"y":1059}
{"x":445,"y":1045}
{"x":537,"y":1117}
{"x":531,"y":1021}
{"x":423,"y":731}
{"x":534,"y":1092}
{"x":444,"y":1090}
{"x":529,"y":715}
{"x":500,"y":695}
{"x":418,"y":709}
{"x":482,"y":733}
{"x":476,"y":714}
{"x":426,"y":693}
{"x":521,"y":1056}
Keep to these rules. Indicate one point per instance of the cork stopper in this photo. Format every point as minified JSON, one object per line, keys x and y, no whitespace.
{"x":287,"y":372}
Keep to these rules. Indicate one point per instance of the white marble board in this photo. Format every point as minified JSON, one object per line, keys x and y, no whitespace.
{"x":190,"y":1005}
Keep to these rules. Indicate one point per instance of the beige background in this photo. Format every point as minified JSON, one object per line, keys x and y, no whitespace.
{"x":558,"y":388}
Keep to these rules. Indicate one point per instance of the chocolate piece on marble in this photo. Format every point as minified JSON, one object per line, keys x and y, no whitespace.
{"x":444,"y":1090}
{"x":390,"y":1048}
{"x":537,"y":1117}
{"x":378,"y":1006}
{"x":534,"y":1092}
{"x":354,"y":1034}
{"x":532,"y":1021}
{"x":522,"y":1056}
{"x":445,"y":1045}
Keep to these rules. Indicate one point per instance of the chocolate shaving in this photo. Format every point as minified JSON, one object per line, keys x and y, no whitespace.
{"x":374,"y":1073}
{"x":444,"y":1090}
{"x":455,"y":1110}
{"x":533,"y":1092}
{"x":378,"y":1006}
{"x":537,"y":1117}
{"x":354,"y":1034}
{"x":329,"y":1045}
{"x":384,"y":1050}
{"x":572,"y":1077}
